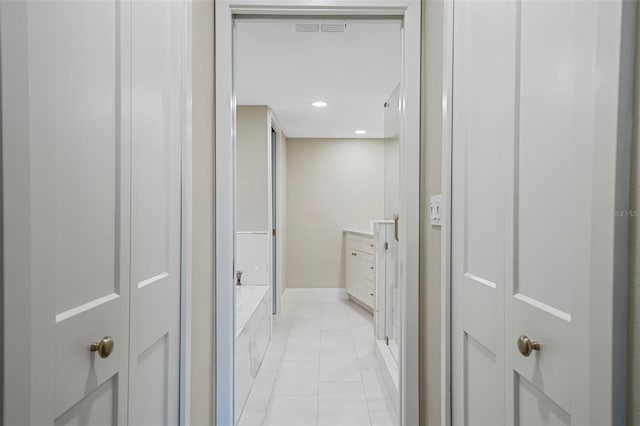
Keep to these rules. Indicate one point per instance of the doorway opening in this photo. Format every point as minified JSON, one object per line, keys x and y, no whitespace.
{"x":322,"y":264}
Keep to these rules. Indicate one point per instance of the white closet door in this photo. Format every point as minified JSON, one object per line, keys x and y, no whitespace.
{"x":538,"y":92}
{"x":101,"y":171}
{"x":156,"y":131}
{"x":78,"y":73}
{"x":483,"y":129}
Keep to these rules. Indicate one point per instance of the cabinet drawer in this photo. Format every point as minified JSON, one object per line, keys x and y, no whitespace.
{"x":370,"y":270}
{"x":365,"y":258}
{"x":361,"y":244}
{"x":368,"y":294}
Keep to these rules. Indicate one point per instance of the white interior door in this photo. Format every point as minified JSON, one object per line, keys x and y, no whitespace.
{"x":538,"y":91}
{"x":94,"y":186}
{"x":77,"y":106}
{"x":156,"y":131}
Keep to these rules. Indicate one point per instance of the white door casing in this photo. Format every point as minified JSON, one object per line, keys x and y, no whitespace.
{"x":226,"y":12}
{"x":538,"y":142}
{"x":91,"y":170}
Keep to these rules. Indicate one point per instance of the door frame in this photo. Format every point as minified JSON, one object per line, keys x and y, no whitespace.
{"x":446,"y":301}
{"x":275,"y":259}
{"x":225,"y":13}
{"x":186,"y":222}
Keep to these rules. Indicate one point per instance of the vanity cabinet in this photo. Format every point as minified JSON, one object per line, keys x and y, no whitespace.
{"x":360,"y":263}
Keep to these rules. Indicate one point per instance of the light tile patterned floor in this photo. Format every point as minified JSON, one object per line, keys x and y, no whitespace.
{"x":320,"y":370}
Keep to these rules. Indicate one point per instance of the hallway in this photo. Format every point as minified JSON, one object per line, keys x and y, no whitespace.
{"x":320,"y":370}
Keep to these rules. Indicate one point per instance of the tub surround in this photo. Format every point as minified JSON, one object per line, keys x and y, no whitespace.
{"x":253,"y":335}
{"x":248,"y":298}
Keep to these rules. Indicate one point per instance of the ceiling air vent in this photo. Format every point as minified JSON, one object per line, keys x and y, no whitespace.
{"x":334,"y":28}
{"x":315,"y":27}
{"x":306,"y":28}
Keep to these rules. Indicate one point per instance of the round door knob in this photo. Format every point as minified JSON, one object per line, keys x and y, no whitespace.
{"x":104,"y":347}
{"x":526,"y":345}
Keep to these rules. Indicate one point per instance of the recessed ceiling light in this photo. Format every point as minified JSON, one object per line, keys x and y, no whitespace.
{"x":360,"y":132}
{"x":319,"y":104}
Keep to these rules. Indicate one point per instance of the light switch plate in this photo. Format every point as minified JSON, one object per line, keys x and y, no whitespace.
{"x":435,"y":210}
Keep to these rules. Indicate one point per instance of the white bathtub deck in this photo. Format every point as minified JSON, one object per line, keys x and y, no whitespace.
{"x":248,"y":297}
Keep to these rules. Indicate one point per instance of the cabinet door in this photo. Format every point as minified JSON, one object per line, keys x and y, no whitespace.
{"x":352,"y":271}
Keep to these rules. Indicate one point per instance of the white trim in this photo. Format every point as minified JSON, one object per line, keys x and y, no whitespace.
{"x":270,"y":172}
{"x":224,"y":322}
{"x":410,"y":212}
{"x":275,"y":124}
{"x":314,"y":294}
{"x":186,"y":223}
{"x":445,"y":265}
{"x":410,"y":12}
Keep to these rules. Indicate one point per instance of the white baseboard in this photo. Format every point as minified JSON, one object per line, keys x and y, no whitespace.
{"x":316,"y":294}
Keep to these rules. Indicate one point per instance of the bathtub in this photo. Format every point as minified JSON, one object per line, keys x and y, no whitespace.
{"x":253,"y":334}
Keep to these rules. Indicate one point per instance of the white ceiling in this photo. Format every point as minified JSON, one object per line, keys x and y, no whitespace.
{"x":354,"y":72}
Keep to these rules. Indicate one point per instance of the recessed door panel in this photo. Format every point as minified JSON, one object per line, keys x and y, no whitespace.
{"x":535,"y":409}
{"x":482,"y":403}
{"x":77,"y":147}
{"x":557,"y":47}
{"x":98,"y":408}
{"x":151,"y":400}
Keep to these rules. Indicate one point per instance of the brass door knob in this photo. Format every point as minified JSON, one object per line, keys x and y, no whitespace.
{"x":526,"y":345}
{"x":104,"y":347}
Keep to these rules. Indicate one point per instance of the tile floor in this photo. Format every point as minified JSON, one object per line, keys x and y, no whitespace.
{"x":319,"y":370}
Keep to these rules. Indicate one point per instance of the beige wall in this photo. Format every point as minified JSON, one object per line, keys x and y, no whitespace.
{"x":202,"y":405}
{"x":633,"y":412}
{"x":252,"y":161}
{"x":431,"y":184}
{"x":331,"y":184}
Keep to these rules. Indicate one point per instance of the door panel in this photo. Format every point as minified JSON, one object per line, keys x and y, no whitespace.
{"x":156,"y":130}
{"x":530,"y":79}
{"x":555,"y":67}
{"x":151,"y":400}
{"x":80,"y":207}
{"x":484,"y":48}
{"x":100,"y":176}
{"x":555,"y":102}
{"x":536,"y":409}
{"x":481,"y":372}
{"x":96,"y":408}
{"x":85,"y":78}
